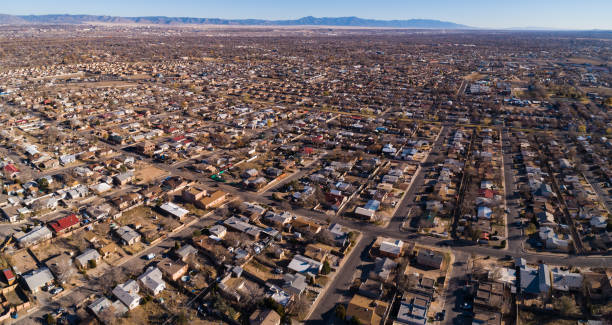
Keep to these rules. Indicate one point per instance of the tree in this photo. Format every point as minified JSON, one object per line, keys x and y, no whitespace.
{"x":111,"y":278}
{"x":566,"y":305}
{"x":301,"y":306}
{"x":50,"y":320}
{"x":340,"y":311}
{"x":531,"y":229}
{"x":325,"y":237}
{"x":326,"y":268}
{"x":43,"y":184}
{"x":63,"y":269}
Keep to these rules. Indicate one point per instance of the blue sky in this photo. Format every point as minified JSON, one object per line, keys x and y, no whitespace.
{"x":567,"y":14}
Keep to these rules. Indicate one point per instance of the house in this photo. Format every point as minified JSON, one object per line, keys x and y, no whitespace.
{"x":371,"y":288}
{"x":108,"y":249}
{"x":10,"y":171}
{"x":185,"y":251}
{"x":306,"y":226}
{"x":102,"y":304}
{"x":565,"y":280}
{"x":413,"y":309}
{"x":366,"y":310}
{"x":535,"y":281}
{"x":264,"y":317}
{"x":364,"y":213}
{"x":192,"y":194}
{"x":34,"y":236}
{"x":145,"y":148}
{"x":128,"y":294}
{"x":64,"y":224}
{"x":101,"y":188}
{"x":128,"y":235}
{"x":484,"y":212}
{"x":38,"y":278}
{"x":123,"y":178}
{"x":174,"y":210}
{"x":9,"y":276}
{"x":430,"y":258}
{"x":218,"y":231}
{"x":212,"y":201}
{"x":383,"y":267}
{"x":172,"y":270}
{"x":99,"y":211}
{"x":11,"y":213}
{"x":392,"y":249}
{"x":278,"y":219}
{"x":339,"y":235}
{"x":126,"y":200}
{"x":82,"y":261}
{"x":152,"y":280}
{"x":316,"y":253}
{"x":302,"y":264}
{"x":243,"y":226}
{"x":294,"y":284}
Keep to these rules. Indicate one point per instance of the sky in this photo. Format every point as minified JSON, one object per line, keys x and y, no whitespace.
{"x":557,"y":14}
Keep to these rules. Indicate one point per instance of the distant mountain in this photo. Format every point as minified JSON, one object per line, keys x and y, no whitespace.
{"x":160,"y":20}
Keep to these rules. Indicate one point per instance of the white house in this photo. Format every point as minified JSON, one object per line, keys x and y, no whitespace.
{"x":128,"y":294}
{"x":82,"y":260}
{"x":152,"y":280}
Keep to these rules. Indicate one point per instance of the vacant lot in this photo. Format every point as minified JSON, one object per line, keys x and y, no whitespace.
{"x":146,"y":173}
{"x":23,"y":261}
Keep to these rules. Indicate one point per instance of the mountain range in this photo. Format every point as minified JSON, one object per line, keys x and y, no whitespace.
{"x":161,"y":20}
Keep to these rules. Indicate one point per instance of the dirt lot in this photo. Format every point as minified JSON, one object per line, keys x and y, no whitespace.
{"x":146,"y":173}
{"x":473,"y":76}
{"x":146,"y":217}
{"x":47,"y":250}
{"x":23,"y":261}
{"x":261,"y":271}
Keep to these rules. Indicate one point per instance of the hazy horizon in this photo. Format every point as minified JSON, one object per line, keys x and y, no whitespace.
{"x":560,"y":14}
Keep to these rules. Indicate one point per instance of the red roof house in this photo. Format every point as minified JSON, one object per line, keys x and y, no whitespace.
{"x":9,"y":276}
{"x":10,"y":170}
{"x":65,"y":223}
{"x":489,"y":194}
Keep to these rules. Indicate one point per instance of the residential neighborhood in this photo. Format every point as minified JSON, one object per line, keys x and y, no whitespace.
{"x":176,"y":174}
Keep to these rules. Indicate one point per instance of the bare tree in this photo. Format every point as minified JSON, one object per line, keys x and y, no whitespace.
{"x":62,"y":268}
{"x":107,"y":315}
{"x":301,"y":306}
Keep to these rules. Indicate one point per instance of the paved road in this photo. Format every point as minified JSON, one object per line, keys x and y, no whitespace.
{"x":455,"y":290}
{"x":515,"y":234}
{"x":402,"y":212}
{"x":338,"y":290}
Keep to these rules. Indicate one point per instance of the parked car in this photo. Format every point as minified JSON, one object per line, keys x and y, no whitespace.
{"x":57,"y":290}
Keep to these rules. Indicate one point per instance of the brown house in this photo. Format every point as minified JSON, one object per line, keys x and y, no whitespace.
{"x":173,"y":270}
